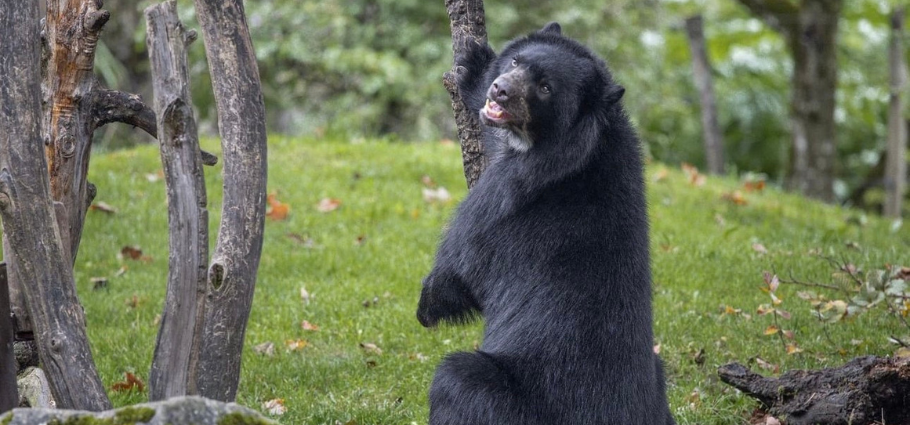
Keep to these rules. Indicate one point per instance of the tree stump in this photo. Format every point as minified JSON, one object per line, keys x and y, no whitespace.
{"x":866,"y":390}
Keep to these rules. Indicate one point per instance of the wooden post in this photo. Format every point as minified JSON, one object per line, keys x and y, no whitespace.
{"x":241,"y":122}
{"x":896,"y":156}
{"x":28,"y":213}
{"x":468,"y":26}
{"x":9,"y":394}
{"x":701,"y":70}
{"x":173,"y":371}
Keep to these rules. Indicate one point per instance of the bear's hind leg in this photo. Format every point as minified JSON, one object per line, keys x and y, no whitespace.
{"x":470,"y":388}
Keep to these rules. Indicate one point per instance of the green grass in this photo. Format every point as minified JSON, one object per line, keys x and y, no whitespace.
{"x":702,"y":258}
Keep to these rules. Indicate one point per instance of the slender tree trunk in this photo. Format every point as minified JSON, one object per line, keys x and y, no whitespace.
{"x":701,"y":67}
{"x":814,"y":81}
{"x":468,"y":26}
{"x":9,"y":395}
{"x":46,"y":274}
{"x":241,"y":122}
{"x":810,"y":29}
{"x":896,"y":165}
{"x":174,"y":365}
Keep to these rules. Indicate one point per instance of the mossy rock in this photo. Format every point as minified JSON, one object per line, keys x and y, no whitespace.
{"x":178,"y":410}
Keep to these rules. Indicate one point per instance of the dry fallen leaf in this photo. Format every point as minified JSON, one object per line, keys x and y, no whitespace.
{"x":277,"y":210}
{"x":328,"y":205}
{"x":296,"y":344}
{"x":793,"y":349}
{"x":754,"y":186}
{"x":370,"y":348}
{"x":307,"y":326}
{"x":759,"y":248}
{"x":766,"y":365}
{"x":304,"y":295}
{"x":660,"y":175}
{"x":266,"y":348}
{"x":735,"y":197}
{"x":695,"y":178}
{"x":440,"y":195}
{"x":275,"y":407}
{"x":130,"y":383}
{"x":134,"y":253}
{"x":772,"y":330}
{"x":103,"y":207}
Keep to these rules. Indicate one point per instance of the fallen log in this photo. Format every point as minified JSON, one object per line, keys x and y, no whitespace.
{"x":865,"y":391}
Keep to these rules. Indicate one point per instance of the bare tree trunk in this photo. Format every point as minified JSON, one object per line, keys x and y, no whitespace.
{"x":241,"y":122}
{"x":9,"y":394}
{"x":701,"y":67}
{"x":468,"y":26}
{"x":46,"y":274}
{"x":174,"y":365}
{"x":810,"y":29}
{"x":896,"y":165}
{"x":814,"y":87}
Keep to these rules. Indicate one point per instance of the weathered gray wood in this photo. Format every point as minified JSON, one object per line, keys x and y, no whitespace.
{"x":241,"y":122}
{"x":896,"y":156}
{"x":45,"y":272}
{"x":9,"y":395}
{"x":174,"y":364}
{"x":468,"y":26}
{"x":701,"y":71}
{"x":864,"y":391}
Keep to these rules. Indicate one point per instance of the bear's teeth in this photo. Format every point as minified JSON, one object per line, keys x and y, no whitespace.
{"x":493,"y":109}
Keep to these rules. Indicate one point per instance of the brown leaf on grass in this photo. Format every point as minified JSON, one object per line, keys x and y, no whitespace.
{"x":735,"y":197}
{"x":759,"y":248}
{"x":130,"y":383}
{"x":307,"y":326}
{"x":98,"y":283}
{"x":772,"y":330}
{"x":121,"y":271}
{"x":266,"y":349}
{"x":695,"y":179}
{"x":277,"y":210}
{"x":370,"y":348}
{"x":327,"y":205}
{"x":417,"y":357}
{"x":296,"y":344}
{"x":754,"y":186}
{"x":102,"y":207}
{"x":767,"y":365}
{"x":793,"y":349}
{"x":360,"y":240}
{"x":134,"y":253}
{"x":134,"y":301}
{"x":428,"y":181}
{"x":660,"y":175}
{"x":275,"y":407}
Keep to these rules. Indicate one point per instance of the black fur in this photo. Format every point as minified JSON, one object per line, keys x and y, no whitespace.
{"x":551,"y":247}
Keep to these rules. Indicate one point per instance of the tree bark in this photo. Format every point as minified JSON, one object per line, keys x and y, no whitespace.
{"x":241,"y":122}
{"x":865,"y":391}
{"x":9,"y":394}
{"x":174,"y":366}
{"x":28,"y":212}
{"x":896,"y":156}
{"x":468,"y":26}
{"x":810,"y":30}
{"x":701,"y":70}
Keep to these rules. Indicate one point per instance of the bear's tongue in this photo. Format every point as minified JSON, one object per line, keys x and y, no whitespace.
{"x":494,"y":111}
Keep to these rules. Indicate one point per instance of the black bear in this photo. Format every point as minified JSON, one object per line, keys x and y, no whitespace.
{"x":551,"y":247}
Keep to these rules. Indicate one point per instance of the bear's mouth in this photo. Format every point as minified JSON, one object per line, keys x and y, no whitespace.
{"x":495,"y":113}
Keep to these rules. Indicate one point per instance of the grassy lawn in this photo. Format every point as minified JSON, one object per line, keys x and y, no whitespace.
{"x":362,"y":263}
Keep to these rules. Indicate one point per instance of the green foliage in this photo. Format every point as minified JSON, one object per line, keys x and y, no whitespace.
{"x":361,"y":267}
{"x":366,"y":68}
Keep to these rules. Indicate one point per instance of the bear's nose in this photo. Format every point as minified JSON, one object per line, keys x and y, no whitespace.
{"x":500,"y":90}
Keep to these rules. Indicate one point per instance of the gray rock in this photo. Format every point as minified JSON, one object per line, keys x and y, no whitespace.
{"x":34,"y":390}
{"x":176,"y":411}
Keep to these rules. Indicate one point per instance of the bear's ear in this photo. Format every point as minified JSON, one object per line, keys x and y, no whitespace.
{"x":614,"y":94}
{"x":552,"y":27}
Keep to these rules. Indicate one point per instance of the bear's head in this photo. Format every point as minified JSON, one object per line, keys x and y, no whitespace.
{"x":543,"y":85}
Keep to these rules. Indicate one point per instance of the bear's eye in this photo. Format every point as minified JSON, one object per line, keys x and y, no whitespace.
{"x":514,"y":62}
{"x":545,"y":88}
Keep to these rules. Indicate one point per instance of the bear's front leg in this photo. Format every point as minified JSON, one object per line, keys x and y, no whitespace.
{"x":445,"y":297}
